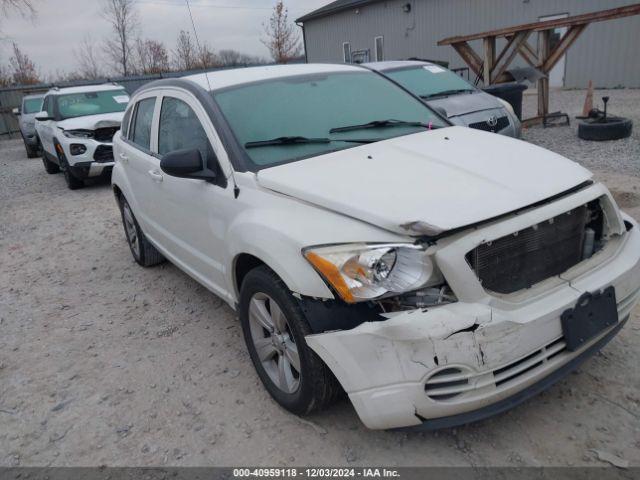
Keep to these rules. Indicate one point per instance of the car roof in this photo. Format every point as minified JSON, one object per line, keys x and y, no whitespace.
{"x":85,"y":89}
{"x":395,"y":64}
{"x":239,"y":76}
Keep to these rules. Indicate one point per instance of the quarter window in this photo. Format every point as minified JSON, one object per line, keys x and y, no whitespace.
{"x":180,"y":129}
{"x":141,"y":133}
{"x":125,"y":123}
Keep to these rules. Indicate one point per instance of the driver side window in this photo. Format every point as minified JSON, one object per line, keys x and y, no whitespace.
{"x":180,"y":129}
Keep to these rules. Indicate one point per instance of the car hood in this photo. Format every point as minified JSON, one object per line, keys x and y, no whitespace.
{"x":429,"y":182}
{"x":465,"y":103}
{"x":92,"y":122}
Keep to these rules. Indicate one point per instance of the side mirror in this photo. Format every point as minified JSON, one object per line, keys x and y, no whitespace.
{"x":186,"y":164}
{"x":43,"y":116}
{"x":16,"y":111}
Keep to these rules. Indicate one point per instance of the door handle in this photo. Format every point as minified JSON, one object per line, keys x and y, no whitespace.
{"x":124,"y":158}
{"x":156,"y":176}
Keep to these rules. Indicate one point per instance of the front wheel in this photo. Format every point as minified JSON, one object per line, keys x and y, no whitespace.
{"x":274,"y":329}
{"x":49,"y":166}
{"x":73,"y":182}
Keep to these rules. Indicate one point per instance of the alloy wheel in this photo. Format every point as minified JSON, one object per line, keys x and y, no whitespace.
{"x":274,"y":344}
{"x":130,"y":228}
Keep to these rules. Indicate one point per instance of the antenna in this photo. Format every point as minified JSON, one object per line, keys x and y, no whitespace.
{"x":236,"y":189}
{"x":195,"y":32}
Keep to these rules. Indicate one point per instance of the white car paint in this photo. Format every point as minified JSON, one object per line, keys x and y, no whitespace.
{"x":447,"y":179}
{"x":51,"y":132}
{"x":426,"y":167}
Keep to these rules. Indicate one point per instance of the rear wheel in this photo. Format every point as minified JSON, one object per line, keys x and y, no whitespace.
{"x":144,"y":253}
{"x":274,"y":329}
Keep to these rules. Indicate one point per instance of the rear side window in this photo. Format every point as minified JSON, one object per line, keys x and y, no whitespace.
{"x":180,"y":129}
{"x":141,"y":134}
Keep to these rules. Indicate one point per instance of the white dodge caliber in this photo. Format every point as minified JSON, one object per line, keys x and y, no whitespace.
{"x":435,"y":273}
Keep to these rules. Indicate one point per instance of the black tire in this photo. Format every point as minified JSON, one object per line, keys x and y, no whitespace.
{"x":144,"y":253}
{"x":317,"y":386}
{"x":49,"y":166}
{"x":73,"y":182}
{"x":32,"y":152}
{"x":615,"y":128}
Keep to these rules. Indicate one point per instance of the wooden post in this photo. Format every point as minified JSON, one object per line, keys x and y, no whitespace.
{"x":489,"y":59}
{"x":543,"y":83}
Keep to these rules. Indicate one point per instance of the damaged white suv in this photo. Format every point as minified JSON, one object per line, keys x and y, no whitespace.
{"x":437,"y":274}
{"x":76,"y":128}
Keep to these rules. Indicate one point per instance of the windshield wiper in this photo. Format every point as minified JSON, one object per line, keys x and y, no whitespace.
{"x":381,"y":124}
{"x":303,"y":140}
{"x":446,"y":93}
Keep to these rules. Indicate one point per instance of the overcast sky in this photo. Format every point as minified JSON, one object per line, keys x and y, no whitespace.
{"x":49,"y":39}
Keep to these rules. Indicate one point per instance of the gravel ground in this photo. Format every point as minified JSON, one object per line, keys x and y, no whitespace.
{"x":106,"y":363}
{"x":621,"y":156}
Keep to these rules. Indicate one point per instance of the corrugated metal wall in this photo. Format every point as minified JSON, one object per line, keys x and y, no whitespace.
{"x":607,"y":52}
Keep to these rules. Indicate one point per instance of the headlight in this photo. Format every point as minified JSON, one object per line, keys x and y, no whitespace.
{"x":507,"y":106}
{"x":78,"y":133}
{"x":359,"y":272}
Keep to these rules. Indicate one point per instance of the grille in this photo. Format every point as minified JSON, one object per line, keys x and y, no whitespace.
{"x":105,"y":134}
{"x":453,"y":382}
{"x":104,"y":153}
{"x":503,"y":122}
{"x":529,"y":256}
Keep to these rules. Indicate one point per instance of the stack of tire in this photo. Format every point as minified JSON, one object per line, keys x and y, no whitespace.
{"x":599,"y":126}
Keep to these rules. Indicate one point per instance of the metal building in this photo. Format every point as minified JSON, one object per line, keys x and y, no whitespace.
{"x":356,"y":31}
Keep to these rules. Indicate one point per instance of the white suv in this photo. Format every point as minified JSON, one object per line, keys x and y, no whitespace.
{"x":437,"y":274}
{"x":76,"y":129}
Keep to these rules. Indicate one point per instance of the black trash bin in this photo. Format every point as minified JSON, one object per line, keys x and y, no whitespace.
{"x":510,"y":92}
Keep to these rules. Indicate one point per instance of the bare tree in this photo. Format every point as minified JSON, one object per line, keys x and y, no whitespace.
{"x":185,"y":56}
{"x":152,"y":57}
{"x":282,"y":39}
{"x":233,"y":58}
{"x":229,"y":58}
{"x":87,"y":59}
{"x":23,"y":70}
{"x":5,"y":76}
{"x":123,"y":18}
{"x":207,"y":58}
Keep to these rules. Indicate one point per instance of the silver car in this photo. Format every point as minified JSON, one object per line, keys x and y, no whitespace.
{"x":449,"y":93}
{"x":31,"y":105}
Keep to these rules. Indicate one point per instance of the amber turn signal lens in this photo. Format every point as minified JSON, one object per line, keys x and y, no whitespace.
{"x":331,"y":274}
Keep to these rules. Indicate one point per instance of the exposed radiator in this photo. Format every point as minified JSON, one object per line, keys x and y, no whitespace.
{"x":529,"y":256}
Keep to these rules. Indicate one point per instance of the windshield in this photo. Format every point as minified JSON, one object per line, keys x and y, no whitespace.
{"x":32,"y":105}
{"x":311,"y":106}
{"x":92,"y":103}
{"x":429,"y":80}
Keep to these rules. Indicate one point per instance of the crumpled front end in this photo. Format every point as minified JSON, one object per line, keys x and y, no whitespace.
{"x":454,"y":363}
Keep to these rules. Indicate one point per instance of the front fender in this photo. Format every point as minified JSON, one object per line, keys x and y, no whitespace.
{"x":277,"y":250}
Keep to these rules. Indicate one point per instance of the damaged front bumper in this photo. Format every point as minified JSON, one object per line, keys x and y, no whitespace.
{"x":457,"y":363}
